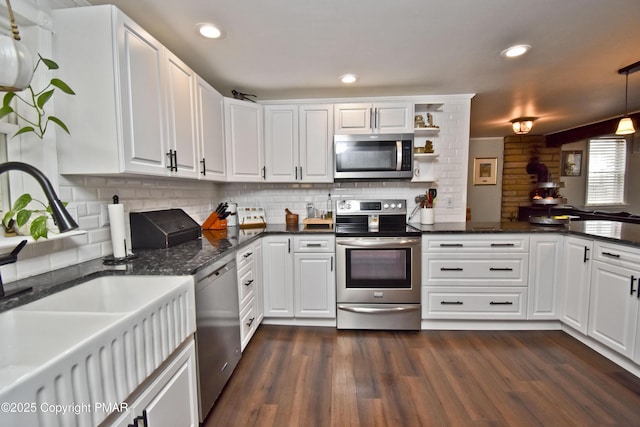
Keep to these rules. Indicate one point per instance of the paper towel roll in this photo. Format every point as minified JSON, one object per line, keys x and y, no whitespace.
{"x":118,"y":234}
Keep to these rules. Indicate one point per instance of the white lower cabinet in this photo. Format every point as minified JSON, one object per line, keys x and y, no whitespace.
{"x":545,"y":274}
{"x":249,"y":263}
{"x":576,"y":280}
{"x":278,"y":276}
{"x":170,"y":399}
{"x":480,"y":276}
{"x":315,"y":279}
{"x":299,"y":276}
{"x":614,"y":300}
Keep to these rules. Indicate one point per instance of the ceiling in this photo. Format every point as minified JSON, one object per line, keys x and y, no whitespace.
{"x":286,"y":49}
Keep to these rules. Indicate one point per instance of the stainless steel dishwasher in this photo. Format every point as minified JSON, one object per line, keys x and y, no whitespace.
{"x":218,"y":329}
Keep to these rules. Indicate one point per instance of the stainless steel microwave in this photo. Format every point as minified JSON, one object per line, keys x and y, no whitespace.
{"x":379,"y":156}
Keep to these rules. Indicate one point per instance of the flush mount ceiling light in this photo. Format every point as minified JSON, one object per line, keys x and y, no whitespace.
{"x":515,"y":51}
{"x":522,"y":125}
{"x":209,"y":30}
{"x":17,"y":65}
{"x":348,"y":78}
{"x":625,"y":126}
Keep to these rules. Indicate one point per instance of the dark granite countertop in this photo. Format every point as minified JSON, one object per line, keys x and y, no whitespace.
{"x":188,"y":258}
{"x":613,"y":231}
{"x":183,"y":259}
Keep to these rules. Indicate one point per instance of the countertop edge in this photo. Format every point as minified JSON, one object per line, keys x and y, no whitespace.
{"x":190,"y":257}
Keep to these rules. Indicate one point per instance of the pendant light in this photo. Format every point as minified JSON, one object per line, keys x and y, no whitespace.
{"x":17,"y":64}
{"x":625,"y":126}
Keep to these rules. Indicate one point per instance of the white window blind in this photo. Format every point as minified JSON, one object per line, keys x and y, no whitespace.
{"x":607,"y":166}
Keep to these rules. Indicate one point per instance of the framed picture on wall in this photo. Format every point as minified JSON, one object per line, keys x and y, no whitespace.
{"x":571,"y":163}
{"x":485,"y":171}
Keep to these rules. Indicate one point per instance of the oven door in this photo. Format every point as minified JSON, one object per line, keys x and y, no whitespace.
{"x":378,"y":270}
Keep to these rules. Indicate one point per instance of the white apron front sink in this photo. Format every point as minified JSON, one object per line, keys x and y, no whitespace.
{"x":89,"y":347}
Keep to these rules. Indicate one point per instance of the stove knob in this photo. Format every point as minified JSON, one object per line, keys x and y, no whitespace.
{"x":393,"y":205}
{"x":386,"y":206}
{"x":399,"y":205}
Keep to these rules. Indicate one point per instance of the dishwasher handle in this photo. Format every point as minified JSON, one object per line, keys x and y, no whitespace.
{"x":219,"y":271}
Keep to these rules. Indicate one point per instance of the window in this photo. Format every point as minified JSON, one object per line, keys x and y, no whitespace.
{"x":607,"y":166}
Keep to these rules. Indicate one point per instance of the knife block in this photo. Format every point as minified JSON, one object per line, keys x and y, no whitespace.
{"x":214,"y":223}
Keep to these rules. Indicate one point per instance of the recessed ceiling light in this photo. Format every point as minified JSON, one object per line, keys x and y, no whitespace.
{"x":348,"y":78}
{"x":517,"y":50}
{"x":209,"y":31}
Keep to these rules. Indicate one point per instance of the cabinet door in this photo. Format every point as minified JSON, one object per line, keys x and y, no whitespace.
{"x":171,"y":398}
{"x":181,"y":105}
{"x":278,"y":277}
{"x":613,"y":308}
{"x":243,"y":140}
{"x":259,"y":282}
{"x":281,"y":143}
{"x":393,"y":117}
{"x":353,"y":118}
{"x":316,"y":143}
{"x":545,"y":273}
{"x":576,"y":282}
{"x":210,"y":132}
{"x":141,"y":62}
{"x":315,"y":285}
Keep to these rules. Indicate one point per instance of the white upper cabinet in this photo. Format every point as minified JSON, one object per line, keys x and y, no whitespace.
{"x":181,"y":104}
{"x":210,"y":109}
{"x":134,"y":100}
{"x":316,"y":142}
{"x":377,"y":117}
{"x":243,"y":140}
{"x":281,"y":143}
{"x":299,"y":143}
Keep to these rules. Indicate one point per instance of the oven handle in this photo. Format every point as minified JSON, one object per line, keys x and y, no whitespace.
{"x":391,"y":243}
{"x":373,"y":310}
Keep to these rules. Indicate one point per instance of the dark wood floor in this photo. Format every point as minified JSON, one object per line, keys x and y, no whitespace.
{"x":297,"y":376}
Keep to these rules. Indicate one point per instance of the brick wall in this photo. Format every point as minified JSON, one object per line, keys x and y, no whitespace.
{"x":517,"y":184}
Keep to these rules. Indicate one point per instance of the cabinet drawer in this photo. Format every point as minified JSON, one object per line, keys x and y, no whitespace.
{"x":464,"y":243}
{"x":309,"y":243}
{"x":472,"y":303}
{"x":617,"y":254}
{"x":476,"y":270}
{"x":244,"y":256}
{"x":248,"y":322}
{"x":246,"y":285}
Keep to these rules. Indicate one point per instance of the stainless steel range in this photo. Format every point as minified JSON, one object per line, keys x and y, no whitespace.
{"x":377,"y":266}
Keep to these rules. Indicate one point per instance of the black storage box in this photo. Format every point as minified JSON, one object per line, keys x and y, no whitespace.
{"x":162,"y":229}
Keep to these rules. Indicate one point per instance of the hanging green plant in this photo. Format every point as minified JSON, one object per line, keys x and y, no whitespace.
{"x":37,"y":100}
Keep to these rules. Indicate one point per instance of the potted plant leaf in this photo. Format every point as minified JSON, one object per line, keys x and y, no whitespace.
{"x":36,"y":100}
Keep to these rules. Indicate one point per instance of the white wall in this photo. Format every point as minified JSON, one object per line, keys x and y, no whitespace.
{"x":485,"y":200}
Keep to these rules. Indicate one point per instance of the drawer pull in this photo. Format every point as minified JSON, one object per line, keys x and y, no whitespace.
{"x":247,"y":255}
{"x":451,"y":245}
{"x":248,"y":283}
{"x":502,"y":245}
{"x":500,"y":269}
{"x":501,"y":303}
{"x":313,"y":245}
{"x":611,"y":255}
{"x":250,"y":322}
{"x":451,"y":303}
{"x":631,"y":290}
{"x":451,"y":269}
